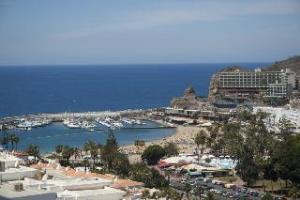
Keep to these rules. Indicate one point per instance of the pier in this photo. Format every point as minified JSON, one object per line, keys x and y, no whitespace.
{"x":108,"y":119}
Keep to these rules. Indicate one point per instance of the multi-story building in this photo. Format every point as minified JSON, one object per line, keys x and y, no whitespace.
{"x":251,"y":84}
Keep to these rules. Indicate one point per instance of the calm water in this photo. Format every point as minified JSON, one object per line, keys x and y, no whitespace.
{"x":28,"y":89}
{"x":49,"y":136}
{"x":35,"y":89}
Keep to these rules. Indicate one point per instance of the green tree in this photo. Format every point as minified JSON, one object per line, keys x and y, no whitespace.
{"x":285,"y":127}
{"x":33,"y":150}
{"x":93,"y":148}
{"x":77,"y":153}
{"x":219,"y":146}
{"x":200,"y":141}
{"x":153,"y":154}
{"x":17,"y":140}
{"x":150,"y":177}
{"x":270,"y":173}
{"x":14,"y":139}
{"x":246,"y":167}
{"x":171,"y":194}
{"x":232,"y":138}
{"x":109,"y":151}
{"x":171,"y":149}
{"x":67,"y":153}
{"x":85,"y":163}
{"x":267,"y":196}
{"x":140,"y":172}
{"x":209,"y":142}
{"x":59,"y":148}
{"x":210,"y":196}
{"x":286,"y":159}
{"x":121,"y":165}
{"x":245,"y":116}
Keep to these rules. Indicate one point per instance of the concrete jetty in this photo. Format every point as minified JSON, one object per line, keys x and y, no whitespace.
{"x":11,"y":122}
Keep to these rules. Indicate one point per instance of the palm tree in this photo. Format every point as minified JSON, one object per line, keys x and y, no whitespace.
{"x":85,"y":163}
{"x":67,"y":153}
{"x":33,"y":150}
{"x":17,"y":140}
{"x":89,"y":145}
{"x":200,"y":140}
{"x":93,"y":148}
{"x":76,"y":152}
{"x":13,"y":138}
{"x":59,"y":148}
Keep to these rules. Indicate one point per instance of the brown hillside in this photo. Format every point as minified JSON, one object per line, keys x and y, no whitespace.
{"x":293,"y":63}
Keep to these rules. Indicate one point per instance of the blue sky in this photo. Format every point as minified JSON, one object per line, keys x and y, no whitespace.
{"x":147,"y":31}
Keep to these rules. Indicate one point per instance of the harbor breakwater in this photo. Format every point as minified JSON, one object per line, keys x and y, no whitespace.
{"x":10,"y":122}
{"x":137,"y":125}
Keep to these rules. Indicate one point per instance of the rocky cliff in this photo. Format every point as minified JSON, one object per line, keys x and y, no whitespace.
{"x":189,"y":100}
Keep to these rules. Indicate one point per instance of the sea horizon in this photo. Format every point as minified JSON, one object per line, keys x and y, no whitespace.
{"x":88,"y":88}
{"x":265,"y":63}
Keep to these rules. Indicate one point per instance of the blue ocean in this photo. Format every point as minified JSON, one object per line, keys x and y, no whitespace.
{"x":36,"y":89}
{"x":50,"y":89}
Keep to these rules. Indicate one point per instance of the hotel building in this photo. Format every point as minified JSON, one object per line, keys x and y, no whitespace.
{"x":258,"y":83}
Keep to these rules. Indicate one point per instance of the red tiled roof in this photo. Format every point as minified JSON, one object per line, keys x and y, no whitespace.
{"x":120,"y":183}
{"x":124,"y":183}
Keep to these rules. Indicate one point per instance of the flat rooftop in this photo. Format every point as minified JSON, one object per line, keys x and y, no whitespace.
{"x":7,"y":192}
{"x":19,"y":169}
{"x":107,"y":191}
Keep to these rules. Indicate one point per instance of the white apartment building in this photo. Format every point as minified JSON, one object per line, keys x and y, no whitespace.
{"x":275,"y":84}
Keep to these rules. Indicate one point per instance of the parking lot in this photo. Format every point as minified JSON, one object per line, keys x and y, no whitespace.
{"x":218,"y":189}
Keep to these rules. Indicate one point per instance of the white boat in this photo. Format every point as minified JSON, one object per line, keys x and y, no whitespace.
{"x":118,"y":124}
{"x":108,"y":120}
{"x":71,"y":124}
{"x":25,"y":124}
{"x":104,"y":123}
{"x":87,"y":125}
{"x":128,"y":121}
{"x":139,"y":122}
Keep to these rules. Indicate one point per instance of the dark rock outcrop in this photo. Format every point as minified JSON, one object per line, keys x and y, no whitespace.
{"x":189,"y":93}
{"x":189,"y":100}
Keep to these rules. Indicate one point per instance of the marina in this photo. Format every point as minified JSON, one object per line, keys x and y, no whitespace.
{"x":165,"y":100}
{"x":49,"y":136}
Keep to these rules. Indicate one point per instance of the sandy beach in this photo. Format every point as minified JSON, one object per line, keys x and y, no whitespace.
{"x":183,"y":137}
